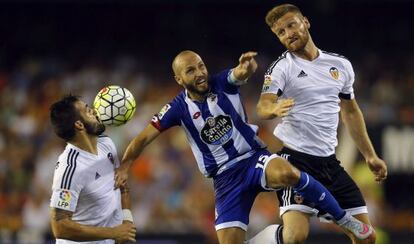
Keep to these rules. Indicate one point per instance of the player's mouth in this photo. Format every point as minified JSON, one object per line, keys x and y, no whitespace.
{"x":293,"y":40}
{"x":201,"y":81}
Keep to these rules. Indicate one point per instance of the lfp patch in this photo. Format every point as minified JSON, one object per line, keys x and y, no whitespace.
{"x":65,"y":195}
{"x":334,"y":72}
{"x":266,"y":83}
{"x":164,"y":110}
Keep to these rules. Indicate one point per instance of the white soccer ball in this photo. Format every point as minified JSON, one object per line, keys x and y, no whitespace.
{"x":115,"y":105}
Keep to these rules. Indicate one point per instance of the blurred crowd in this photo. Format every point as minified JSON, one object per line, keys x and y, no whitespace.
{"x":169,"y":194}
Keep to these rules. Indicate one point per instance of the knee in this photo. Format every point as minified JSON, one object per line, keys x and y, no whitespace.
{"x":294,"y":236}
{"x":281,"y":174}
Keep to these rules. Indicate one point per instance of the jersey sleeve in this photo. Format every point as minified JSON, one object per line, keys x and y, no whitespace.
{"x":168,"y":116}
{"x":67,"y":183}
{"x":347,"y":91}
{"x":224,"y":81}
{"x":274,"y":79}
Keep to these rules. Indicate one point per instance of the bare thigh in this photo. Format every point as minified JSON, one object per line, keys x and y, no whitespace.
{"x":233,"y":235}
{"x":296,"y":227}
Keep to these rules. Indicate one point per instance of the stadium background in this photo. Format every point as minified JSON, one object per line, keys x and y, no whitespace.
{"x":49,"y":48}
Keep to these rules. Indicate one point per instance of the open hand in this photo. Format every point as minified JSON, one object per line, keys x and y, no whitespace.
{"x":378,"y":168}
{"x":283,"y":106}
{"x":247,"y":66}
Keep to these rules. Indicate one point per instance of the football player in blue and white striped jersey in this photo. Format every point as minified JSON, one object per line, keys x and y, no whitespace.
{"x":226,"y":147}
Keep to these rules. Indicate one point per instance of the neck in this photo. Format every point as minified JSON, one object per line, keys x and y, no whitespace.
{"x":309,"y":52}
{"x":86,"y":142}
{"x":197,"y":97}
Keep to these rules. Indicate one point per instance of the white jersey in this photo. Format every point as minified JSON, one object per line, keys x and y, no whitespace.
{"x":83,"y":183}
{"x":316,"y":86}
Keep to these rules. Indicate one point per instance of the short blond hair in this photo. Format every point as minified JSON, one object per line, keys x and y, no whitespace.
{"x":279,"y":11}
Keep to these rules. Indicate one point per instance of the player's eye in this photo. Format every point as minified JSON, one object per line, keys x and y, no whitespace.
{"x":189,"y":71}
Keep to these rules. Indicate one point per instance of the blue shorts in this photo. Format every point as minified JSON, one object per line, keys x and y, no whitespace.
{"x":236,"y":189}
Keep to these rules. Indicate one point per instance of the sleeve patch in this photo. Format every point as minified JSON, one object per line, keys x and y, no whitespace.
{"x":164,"y":110}
{"x":267,"y":82}
{"x":63,"y":199}
{"x":155,"y":121}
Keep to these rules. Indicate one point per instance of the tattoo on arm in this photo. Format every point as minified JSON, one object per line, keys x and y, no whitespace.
{"x":59,"y":214}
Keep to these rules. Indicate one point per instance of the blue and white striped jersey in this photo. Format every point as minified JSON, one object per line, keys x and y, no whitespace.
{"x":217,"y":129}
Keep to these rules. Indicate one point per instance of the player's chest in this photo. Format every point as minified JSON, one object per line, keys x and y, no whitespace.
{"x":317,"y":80}
{"x":214,"y":120}
{"x":100,"y":177}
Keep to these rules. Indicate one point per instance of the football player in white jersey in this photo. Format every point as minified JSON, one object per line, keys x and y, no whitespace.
{"x":307,"y":88}
{"x":85,"y":207}
{"x":228,"y":150}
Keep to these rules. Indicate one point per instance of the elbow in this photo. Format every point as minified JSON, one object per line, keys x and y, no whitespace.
{"x":59,"y":231}
{"x":260,"y":113}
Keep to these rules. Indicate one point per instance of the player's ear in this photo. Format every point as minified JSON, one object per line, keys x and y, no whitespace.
{"x":306,"y":21}
{"x":179,"y":80}
{"x":79,"y":125}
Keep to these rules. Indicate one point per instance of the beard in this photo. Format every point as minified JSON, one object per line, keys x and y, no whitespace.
{"x":95,"y":129}
{"x":201,"y":91}
{"x":300,"y":43}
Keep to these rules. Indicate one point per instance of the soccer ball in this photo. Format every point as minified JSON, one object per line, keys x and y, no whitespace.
{"x":115,"y":105}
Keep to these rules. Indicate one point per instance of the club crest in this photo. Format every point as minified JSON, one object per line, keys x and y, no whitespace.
{"x":334,"y":72}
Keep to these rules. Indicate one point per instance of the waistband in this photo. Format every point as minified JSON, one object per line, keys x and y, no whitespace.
{"x":305,"y":155}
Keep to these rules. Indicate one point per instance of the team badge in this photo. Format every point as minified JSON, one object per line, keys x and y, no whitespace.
{"x":267,"y":82}
{"x":334,"y":72}
{"x":163,"y":111}
{"x":298,"y":198}
{"x":111,"y":158}
{"x":212,"y":97}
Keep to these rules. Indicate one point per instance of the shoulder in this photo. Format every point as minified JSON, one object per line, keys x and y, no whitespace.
{"x":341,"y":59}
{"x":178,"y":100}
{"x":335,"y":55}
{"x":106,"y":141}
{"x":281,"y":61}
{"x":68,"y":168}
{"x":222,"y":75}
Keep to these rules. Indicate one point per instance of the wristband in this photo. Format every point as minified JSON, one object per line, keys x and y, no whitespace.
{"x":232,"y":79}
{"x":128,"y":215}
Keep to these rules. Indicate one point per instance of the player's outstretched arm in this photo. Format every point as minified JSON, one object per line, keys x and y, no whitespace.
{"x":354,"y":121}
{"x":246,"y":68}
{"x":64,"y":227}
{"x":269,"y":106}
{"x":134,"y":149}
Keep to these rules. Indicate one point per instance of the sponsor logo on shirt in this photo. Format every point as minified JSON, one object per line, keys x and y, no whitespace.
{"x":334,"y":72}
{"x":196,"y":115}
{"x":217,"y":130}
{"x":302,"y":74}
